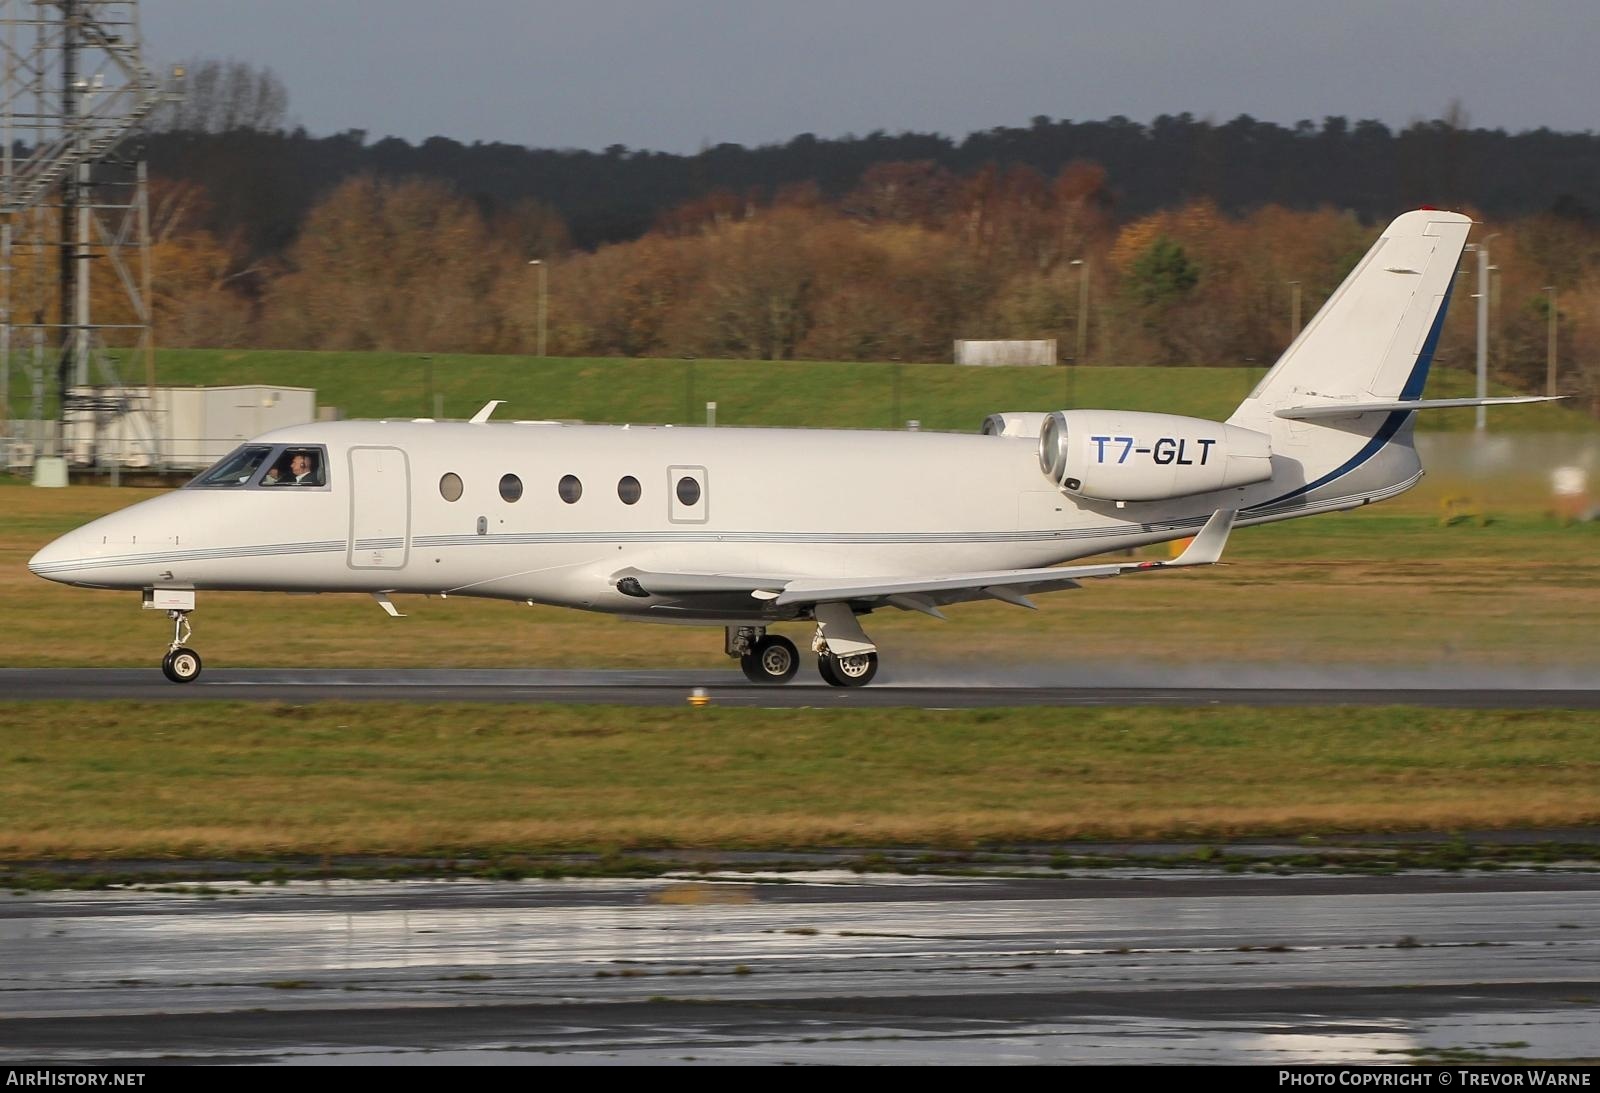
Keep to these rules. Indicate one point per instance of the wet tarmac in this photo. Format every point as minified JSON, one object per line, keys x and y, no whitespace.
{"x":924,"y":688}
{"x":825,"y":966}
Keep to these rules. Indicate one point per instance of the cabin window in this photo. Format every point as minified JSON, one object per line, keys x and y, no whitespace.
{"x":688,"y":490}
{"x":450,"y":486}
{"x":236,"y":468}
{"x":628,"y":489}
{"x":510,"y":487}
{"x":570,"y":489}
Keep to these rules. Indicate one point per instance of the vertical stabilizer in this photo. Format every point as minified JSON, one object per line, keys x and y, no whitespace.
{"x":1374,"y":339}
{"x":1369,"y":346}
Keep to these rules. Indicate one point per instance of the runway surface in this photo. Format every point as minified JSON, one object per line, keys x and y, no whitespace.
{"x":1119,"y":966}
{"x":930,"y":689}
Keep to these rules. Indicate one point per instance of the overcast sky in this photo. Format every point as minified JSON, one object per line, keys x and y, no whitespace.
{"x":675,"y":75}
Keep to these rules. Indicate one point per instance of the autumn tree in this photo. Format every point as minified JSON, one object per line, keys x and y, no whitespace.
{"x":392,"y":265}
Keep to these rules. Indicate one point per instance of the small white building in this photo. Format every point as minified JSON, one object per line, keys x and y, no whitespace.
{"x":180,"y":428}
{"x":1042,"y":352}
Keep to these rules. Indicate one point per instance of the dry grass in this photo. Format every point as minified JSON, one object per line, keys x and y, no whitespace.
{"x":231,"y":780}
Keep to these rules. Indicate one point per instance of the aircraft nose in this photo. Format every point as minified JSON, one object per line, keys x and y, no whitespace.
{"x":51,"y":559}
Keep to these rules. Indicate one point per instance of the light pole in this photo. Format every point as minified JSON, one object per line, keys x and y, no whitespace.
{"x":543,"y":296}
{"x":1550,"y":344}
{"x":894,"y":416}
{"x":1482,"y":296}
{"x":1083,"y":308}
{"x":1294,"y":310}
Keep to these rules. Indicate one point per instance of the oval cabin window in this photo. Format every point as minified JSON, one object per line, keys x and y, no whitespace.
{"x":628,"y":489}
{"x":510,"y":487}
{"x":688,"y":490}
{"x":450,"y":487}
{"x":570,"y":489}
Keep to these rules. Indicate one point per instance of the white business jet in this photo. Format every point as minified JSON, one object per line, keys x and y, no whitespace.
{"x":748,"y":528}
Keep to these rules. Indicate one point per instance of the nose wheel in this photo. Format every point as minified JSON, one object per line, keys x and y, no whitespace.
{"x":181,"y":664}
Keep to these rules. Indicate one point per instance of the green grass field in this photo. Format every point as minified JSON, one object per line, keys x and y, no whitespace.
{"x":778,"y":393}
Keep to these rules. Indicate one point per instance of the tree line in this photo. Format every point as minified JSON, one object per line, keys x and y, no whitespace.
{"x":901,"y":266}
{"x":1189,"y":240}
{"x":265,"y":179}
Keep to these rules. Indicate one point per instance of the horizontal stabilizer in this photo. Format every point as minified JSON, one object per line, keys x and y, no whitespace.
{"x":1349,"y":409}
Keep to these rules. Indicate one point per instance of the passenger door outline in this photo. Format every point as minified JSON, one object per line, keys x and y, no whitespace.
{"x":380,"y":508}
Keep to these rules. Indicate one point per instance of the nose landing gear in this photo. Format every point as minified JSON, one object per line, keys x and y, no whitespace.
{"x":181,"y":664}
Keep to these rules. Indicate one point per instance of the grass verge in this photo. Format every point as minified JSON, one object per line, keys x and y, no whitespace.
{"x":221,"y":780}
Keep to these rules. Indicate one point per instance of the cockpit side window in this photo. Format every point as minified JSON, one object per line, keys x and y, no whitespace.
{"x":236,"y":468}
{"x":261,"y":466}
{"x":296,"y":466}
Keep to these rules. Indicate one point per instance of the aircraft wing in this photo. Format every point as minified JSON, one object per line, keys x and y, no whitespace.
{"x":921,"y":593}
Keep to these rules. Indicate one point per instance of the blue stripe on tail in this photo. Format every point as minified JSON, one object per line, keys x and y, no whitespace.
{"x":1391,"y":424}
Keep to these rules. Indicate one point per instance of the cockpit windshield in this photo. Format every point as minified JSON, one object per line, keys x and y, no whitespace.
{"x":237,"y":468}
{"x":260,"y":466}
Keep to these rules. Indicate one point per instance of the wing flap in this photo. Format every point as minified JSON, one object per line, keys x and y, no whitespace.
{"x":918,"y":593}
{"x":1204,"y":550}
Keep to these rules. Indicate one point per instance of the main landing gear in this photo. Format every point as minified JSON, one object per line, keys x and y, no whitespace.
{"x":845,"y":656}
{"x":181,"y":664}
{"x":764,"y":657}
{"x":852,"y":671}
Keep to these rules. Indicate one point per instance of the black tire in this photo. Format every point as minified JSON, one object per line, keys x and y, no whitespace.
{"x":182,"y":665}
{"x":773,"y":659}
{"x":856,"y":671}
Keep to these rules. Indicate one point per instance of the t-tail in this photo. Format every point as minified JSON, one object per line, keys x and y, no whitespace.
{"x":1339,"y":404}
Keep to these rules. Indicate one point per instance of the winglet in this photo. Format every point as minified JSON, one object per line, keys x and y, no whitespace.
{"x":1207,"y":546}
{"x":489,"y":407}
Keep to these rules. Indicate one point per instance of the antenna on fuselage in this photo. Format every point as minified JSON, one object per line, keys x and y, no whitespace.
{"x":489,"y":407}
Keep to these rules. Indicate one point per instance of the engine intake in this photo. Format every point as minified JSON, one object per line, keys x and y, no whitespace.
{"x":1117,"y":455}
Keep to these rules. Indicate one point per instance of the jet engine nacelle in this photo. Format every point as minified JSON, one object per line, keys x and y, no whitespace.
{"x":1014,"y":423}
{"x":1115,"y":455}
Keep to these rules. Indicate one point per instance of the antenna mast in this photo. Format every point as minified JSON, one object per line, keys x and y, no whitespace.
{"x":74,"y":96}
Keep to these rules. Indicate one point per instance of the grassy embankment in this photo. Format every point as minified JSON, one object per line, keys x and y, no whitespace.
{"x":231,"y":780}
{"x":779,"y":393}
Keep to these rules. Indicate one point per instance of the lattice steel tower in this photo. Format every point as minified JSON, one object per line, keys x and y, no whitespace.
{"x":74,"y":216}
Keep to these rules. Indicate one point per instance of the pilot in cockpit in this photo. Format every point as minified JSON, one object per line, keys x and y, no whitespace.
{"x":296,"y":469}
